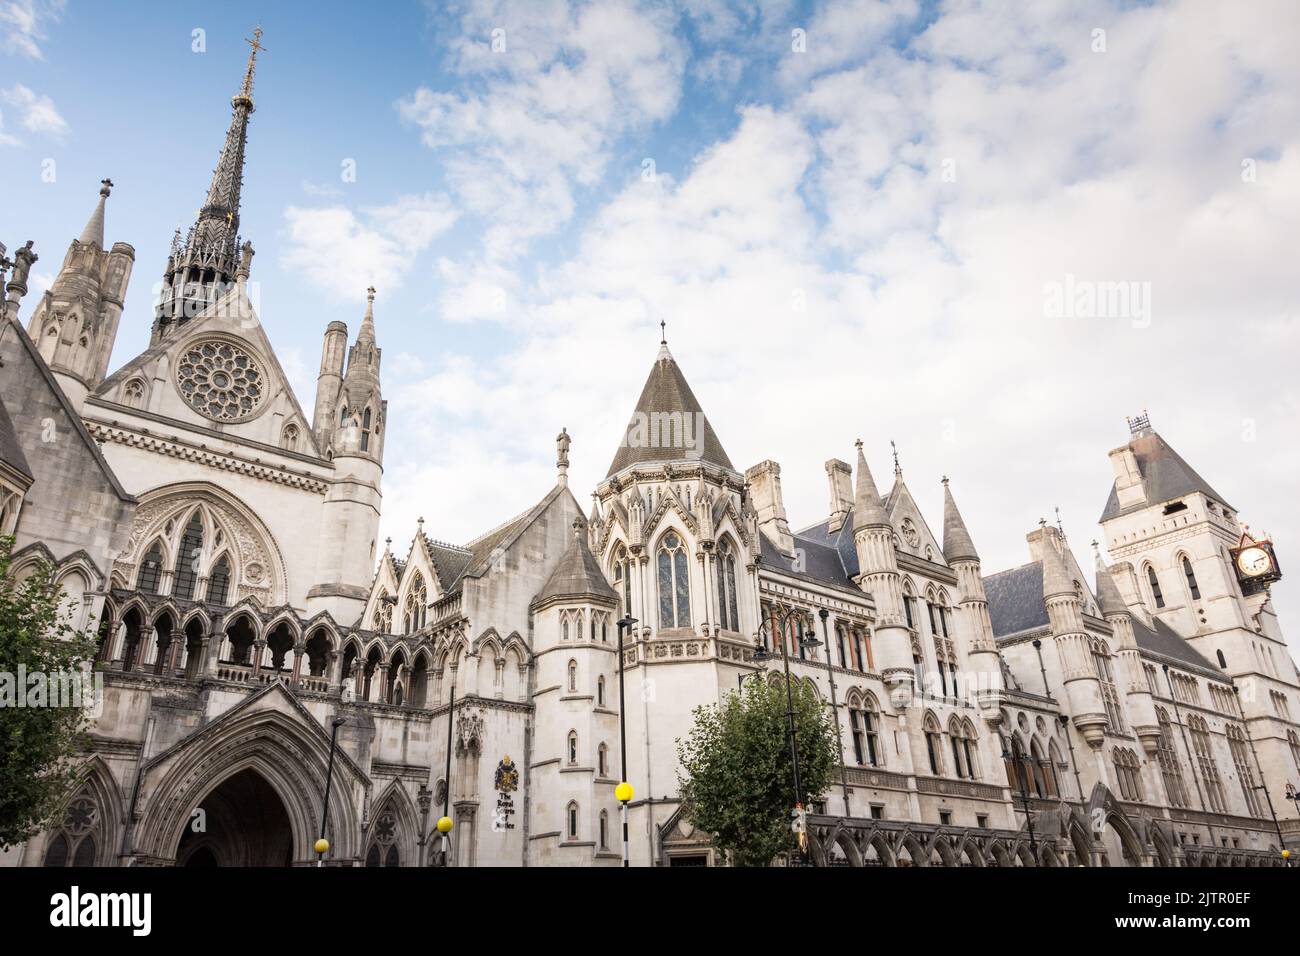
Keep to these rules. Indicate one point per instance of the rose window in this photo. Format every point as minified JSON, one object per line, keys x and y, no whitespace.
{"x":220,"y":380}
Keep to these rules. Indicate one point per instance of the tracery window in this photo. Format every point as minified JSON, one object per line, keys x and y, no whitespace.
{"x":1209,"y":770}
{"x":219,"y":582}
{"x":365,"y":430}
{"x":187,"y":559}
{"x":726,"y":571}
{"x":150,"y":570}
{"x":1128,"y":774}
{"x":220,"y":381}
{"x":1170,"y":769}
{"x":674,"y":583}
{"x":1106,"y":677}
{"x":934,"y":745}
{"x":384,"y":614}
{"x":383,"y":847}
{"x":416,"y":608}
{"x":1245,"y":773}
{"x":77,"y":840}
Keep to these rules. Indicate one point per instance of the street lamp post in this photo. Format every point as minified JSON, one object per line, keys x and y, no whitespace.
{"x":623,"y":792}
{"x":762,"y":654}
{"x":445,"y":822}
{"x":835,"y":709}
{"x":1024,"y":791}
{"x":322,"y":845}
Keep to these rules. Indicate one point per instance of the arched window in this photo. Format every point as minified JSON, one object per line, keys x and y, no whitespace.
{"x":1170,"y":769}
{"x":150,"y":570}
{"x":1106,"y":677}
{"x":1222,"y":660}
{"x":726,"y":570}
{"x":1192,"y":587}
{"x":1245,"y":774}
{"x":573,"y":747}
{"x":573,"y":677}
{"x":674,"y":583}
{"x":934,"y":745}
{"x":383,"y":848}
{"x":954,"y":741}
{"x":384,"y":614}
{"x":604,"y":829}
{"x":133,"y":394}
{"x":416,"y":606}
{"x":289,"y":439}
{"x":1155,"y":587}
{"x":871,"y":730}
{"x":219,"y":582}
{"x":77,"y":840}
{"x":600,"y":691}
{"x":365,"y":431}
{"x":602,"y":761}
{"x":571,"y":823}
{"x":970,"y":749}
{"x":187,"y":559}
{"x":1209,"y":770}
{"x":623,"y":581}
{"x":855,"y":727}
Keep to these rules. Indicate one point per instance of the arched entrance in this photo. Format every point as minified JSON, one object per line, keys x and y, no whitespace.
{"x":241,"y":822}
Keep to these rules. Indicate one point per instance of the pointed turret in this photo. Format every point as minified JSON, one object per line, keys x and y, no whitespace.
{"x":204,"y":266}
{"x":1108,"y":596}
{"x":957,"y":543}
{"x":75,"y":324}
{"x":578,"y":575}
{"x":93,"y":234}
{"x":868,"y":511}
{"x":361,"y":407}
{"x":668,"y":423}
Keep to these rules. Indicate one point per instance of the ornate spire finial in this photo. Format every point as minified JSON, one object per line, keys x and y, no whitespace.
{"x":858,"y":444}
{"x":1059,"y":526}
{"x":944,"y":481}
{"x":105,"y":187}
{"x":898,"y":469}
{"x":663,"y":332}
{"x":370,"y":294}
{"x":246,"y":91}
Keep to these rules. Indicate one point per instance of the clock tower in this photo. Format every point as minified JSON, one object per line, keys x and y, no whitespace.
{"x":1183,"y":557}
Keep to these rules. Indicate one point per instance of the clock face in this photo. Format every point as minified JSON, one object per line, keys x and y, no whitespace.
{"x":1253,"y":562}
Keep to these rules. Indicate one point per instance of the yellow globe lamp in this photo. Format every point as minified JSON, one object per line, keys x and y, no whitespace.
{"x":444,"y":824}
{"x":1286,"y":854}
{"x":321,"y":846}
{"x":623,"y":792}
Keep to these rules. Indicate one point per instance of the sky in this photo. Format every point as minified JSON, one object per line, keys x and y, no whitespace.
{"x":986,"y":232}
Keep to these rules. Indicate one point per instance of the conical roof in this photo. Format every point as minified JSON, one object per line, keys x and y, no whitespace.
{"x":93,"y":234}
{"x":957,"y":543}
{"x":1165,"y":475}
{"x":577,"y":575}
{"x":1108,"y":596}
{"x":867,"y":508}
{"x":668,"y":423}
{"x":1056,"y":579}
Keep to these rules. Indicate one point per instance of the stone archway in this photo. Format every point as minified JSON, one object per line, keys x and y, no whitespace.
{"x":241,"y":822}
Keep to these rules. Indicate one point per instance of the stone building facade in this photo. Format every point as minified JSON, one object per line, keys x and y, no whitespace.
{"x":224,"y":546}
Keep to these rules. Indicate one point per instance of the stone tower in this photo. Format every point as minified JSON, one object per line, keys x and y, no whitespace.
{"x":75,"y":323}
{"x":354,"y":441}
{"x":204,"y":265}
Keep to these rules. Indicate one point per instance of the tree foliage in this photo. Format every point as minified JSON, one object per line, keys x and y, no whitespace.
{"x":736,"y":772}
{"x":40,"y":746}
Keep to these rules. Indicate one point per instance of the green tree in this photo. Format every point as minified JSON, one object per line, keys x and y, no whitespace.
{"x":41,"y":746}
{"x":736,"y":773}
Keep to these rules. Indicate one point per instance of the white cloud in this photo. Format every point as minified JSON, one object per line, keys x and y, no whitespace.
{"x":823,"y":280}
{"x":39,"y":114}
{"x":535,"y":118}
{"x":23,"y":24}
{"x":344,"y":251}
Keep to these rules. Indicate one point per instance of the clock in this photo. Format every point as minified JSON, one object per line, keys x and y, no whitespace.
{"x":1256,"y":564}
{"x":1253,"y":561}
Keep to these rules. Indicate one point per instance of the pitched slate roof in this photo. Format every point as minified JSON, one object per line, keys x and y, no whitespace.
{"x":830,"y":558}
{"x":1016,"y":599}
{"x":577,"y":575}
{"x":1016,"y":605}
{"x":11,"y":449}
{"x":1165,"y":475}
{"x":666,"y":393}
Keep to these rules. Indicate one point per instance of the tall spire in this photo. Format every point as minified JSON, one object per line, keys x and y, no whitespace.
{"x":1108,"y":595}
{"x":867,"y":509}
{"x":93,"y":234}
{"x":367,"y":331}
{"x":205,"y":263}
{"x":957,"y":543}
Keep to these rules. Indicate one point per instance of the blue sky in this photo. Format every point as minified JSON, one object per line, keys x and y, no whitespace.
{"x":855,"y":214}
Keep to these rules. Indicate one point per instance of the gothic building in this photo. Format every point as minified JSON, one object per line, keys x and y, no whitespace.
{"x":223,"y":547}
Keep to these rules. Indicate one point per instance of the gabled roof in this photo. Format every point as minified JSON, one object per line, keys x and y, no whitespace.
{"x":1015,"y":599}
{"x":1165,"y":475}
{"x":831,"y":558}
{"x":666,"y":393}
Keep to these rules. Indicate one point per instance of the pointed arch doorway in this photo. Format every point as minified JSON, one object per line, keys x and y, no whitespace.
{"x":241,"y":822}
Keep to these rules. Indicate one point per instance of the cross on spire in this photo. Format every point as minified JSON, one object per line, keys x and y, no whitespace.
{"x":105,"y":186}
{"x":663,"y":332}
{"x":898,"y":469}
{"x":255,"y":42}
